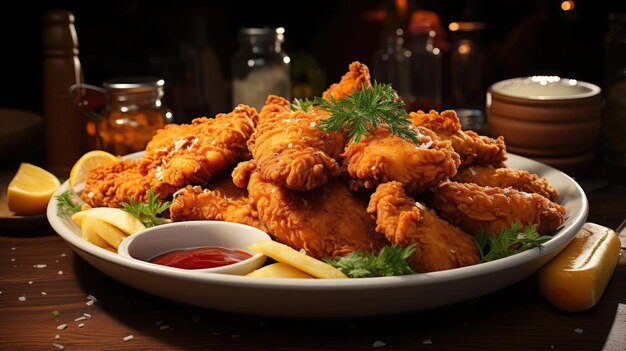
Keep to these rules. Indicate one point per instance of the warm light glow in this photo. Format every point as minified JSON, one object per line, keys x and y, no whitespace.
{"x":464,"y":49}
{"x":286,"y":59}
{"x":567,"y":5}
{"x":454,"y":26}
{"x":401,"y":7}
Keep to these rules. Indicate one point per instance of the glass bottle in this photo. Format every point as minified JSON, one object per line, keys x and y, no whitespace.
{"x":466,"y":64}
{"x":615,"y":90}
{"x":391,"y":63}
{"x":260,"y":67}
{"x":425,"y":68}
{"x":132,"y":115}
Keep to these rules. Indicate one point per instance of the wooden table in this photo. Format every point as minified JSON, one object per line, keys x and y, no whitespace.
{"x":515,"y":318}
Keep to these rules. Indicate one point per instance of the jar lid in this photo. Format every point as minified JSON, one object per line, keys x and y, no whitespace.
{"x":138,"y":83}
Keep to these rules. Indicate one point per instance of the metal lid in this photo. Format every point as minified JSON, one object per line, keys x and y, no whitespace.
{"x":138,"y":83}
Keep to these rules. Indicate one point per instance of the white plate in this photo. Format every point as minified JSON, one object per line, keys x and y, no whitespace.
{"x":337,"y":298}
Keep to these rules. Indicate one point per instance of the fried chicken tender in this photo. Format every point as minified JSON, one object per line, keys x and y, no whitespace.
{"x":438,"y":244}
{"x":357,"y":77}
{"x":505,"y":178}
{"x":274,"y":105}
{"x":381,"y":157}
{"x":222,"y":202}
{"x":115,"y":182}
{"x":473,"y":148}
{"x":325,"y":222}
{"x":290,"y":150}
{"x":473,"y":207}
{"x":177,"y":156}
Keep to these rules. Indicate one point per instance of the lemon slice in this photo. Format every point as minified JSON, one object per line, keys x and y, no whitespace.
{"x":87,"y":162}
{"x":30,"y":190}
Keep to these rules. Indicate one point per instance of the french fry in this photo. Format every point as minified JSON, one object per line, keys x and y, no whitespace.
{"x":90,"y":234}
{"x":109,"y":233}
{"x":116,"y":217}
{"x":279,"y":270}
{"x":285,"y":254}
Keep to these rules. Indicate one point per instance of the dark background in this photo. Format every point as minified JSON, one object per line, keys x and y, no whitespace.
{"x":139,"y":37}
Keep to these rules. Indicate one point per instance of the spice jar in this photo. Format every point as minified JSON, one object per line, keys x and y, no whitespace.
{"x":132,"y":115}
{"x":260,"y":67}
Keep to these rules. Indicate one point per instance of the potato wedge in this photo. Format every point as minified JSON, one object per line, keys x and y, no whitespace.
{"x":285,"y":254}
{"x":89,"y":233}
{"x":279,"y":270}
{"x":122,"y":220}
{"x":109,"y":233}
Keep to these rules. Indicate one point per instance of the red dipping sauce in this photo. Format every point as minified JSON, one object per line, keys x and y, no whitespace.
{"x":201,"y":257}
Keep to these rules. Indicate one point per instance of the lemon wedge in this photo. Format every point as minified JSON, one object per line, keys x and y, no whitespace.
{"x":92,"y":159}
{"x":30,"y":190}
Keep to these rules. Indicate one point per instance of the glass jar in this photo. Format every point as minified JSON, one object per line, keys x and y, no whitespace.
{"x":260,"y":67}
{"x":391,"y":63}
{"x":425,"y":68}
{"x":132,"y":115}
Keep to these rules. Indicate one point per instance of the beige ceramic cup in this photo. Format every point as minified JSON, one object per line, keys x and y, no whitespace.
{"x":550,"y":119}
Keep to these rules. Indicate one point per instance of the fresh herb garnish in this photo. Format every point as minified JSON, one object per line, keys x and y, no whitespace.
{"x":364,"y":110}
{"x":147,"y":212}
{"x":301,"y":104}
{"x":65,"y":205}
{"x":508,"y":242}
{"x":390,"y":261}
{"x":56,"y":313}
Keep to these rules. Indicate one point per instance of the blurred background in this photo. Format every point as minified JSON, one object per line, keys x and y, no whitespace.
{"x":191,"y":44}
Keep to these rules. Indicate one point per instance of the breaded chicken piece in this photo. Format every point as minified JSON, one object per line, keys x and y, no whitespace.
{"x":217,"y":203}
{"x":113,"y":183}
{"x":381,"y":157}
{"x":473,"y":207}
{"x":177,"y":156}
{"x":505,"y":178}
{"x":438,"y":244}
{"x":357,"y":77}
{"x":473,"y":148}
{"x":325,"y":222}
{"x":291,"y":151}
{"x":274,"y":105}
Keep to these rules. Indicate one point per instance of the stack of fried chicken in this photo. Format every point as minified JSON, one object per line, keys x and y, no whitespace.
{"x":324,"y":193}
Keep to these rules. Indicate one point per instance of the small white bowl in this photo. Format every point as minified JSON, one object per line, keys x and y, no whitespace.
{"x":158,"y":240}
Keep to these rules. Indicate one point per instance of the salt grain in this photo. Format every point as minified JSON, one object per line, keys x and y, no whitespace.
{"x":63,"y":255}
{"x":12,"y":260}
{"x":30,"y":282}
{"x":40,"y":266}
{"x":12,"y":249}
{"x":129,"y":337}
{"x":90,"y":302}
{"x":58,"y":346}
{"x":22,"y":298}
{"x":378,"y":343}
{"x":312,"y":124}
{"x":420,"y":205}
{"x":472,"y":171}
{"x":427,"y":342}
{"x":87,"y":315}
{"x":44,"y":293}
{"x":57,"y":337}
{"x":92,"y":298}
{"x":80,"y":319}
{"x":61,"y":326}
{"x":60,"y":272}
{"x":81,"y":325}
{"x":578,"y":331}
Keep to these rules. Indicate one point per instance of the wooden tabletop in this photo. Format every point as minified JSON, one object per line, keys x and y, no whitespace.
{"x":40,"y":275}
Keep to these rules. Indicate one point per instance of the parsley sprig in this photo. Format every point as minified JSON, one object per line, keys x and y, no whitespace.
{"x":508,"y":242}
{"x":301,"y":104}
{"x":390,"y":261}
{"x":147,"y":212}
{"x":66,"y":205}
{"x":364,"y":110}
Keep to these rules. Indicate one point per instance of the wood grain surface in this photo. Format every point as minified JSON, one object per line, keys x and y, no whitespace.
{"x":515,"y":318}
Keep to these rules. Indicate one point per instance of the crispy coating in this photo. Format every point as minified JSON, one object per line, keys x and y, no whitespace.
{"x":438,"y":244}
{"x":290,"y":150}
{"x":274,"y":105}
{"x":505,"y":178}
{"x":222,"y":202}
{"x":357,"y":77}
{"x":114,"y":183}
{"x":473,"y":148}
{"x":177,"y":156}
{"x":381,"y":157}
{"x":325,"y":222}
{"x":473,"y":207}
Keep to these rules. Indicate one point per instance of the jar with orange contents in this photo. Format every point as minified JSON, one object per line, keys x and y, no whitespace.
{"x":132,"y":115}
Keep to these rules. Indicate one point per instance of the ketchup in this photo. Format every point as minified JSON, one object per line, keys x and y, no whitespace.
{"x":201,"y":257}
